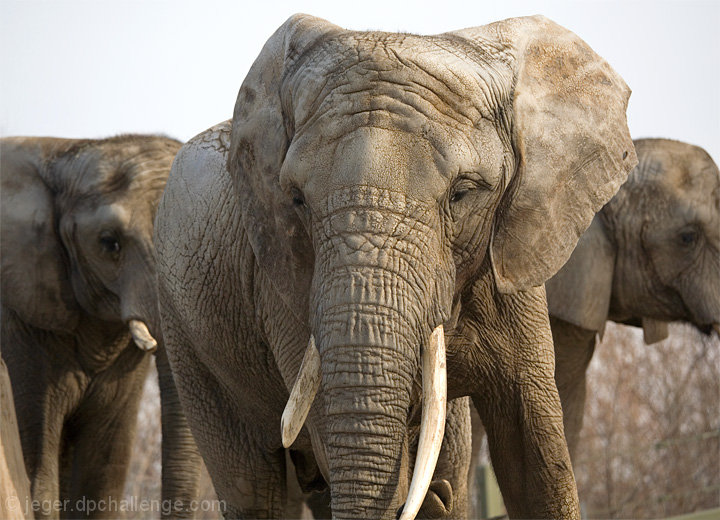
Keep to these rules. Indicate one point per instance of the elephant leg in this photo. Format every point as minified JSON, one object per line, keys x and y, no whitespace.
{"x":41,"y":444}
{"x":518,"y":402}
{"x":250,"y":480}
{"x":180,"y":457}
{"x":447,"y":497}
{"x":42,"y":397}
{"x":100,"y":460}
{"x":295,"y":507}
{"x":102,"y":432}
{"x":529,"y":454}
{"x":246,"y":464}
{"x":574,"y":348}
{"x":478,"y":434}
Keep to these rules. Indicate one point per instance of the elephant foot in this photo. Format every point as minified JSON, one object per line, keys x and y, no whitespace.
{"x":438,"y":503}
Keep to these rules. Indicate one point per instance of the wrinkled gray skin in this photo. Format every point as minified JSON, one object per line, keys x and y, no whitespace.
{"x":449,"y":494}
{"x":77,"y":266}
{"x":371,"y":187}
{"x":651,"y":255}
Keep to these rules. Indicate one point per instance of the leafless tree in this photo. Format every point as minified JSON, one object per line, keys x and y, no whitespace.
{"x":650,"y":445}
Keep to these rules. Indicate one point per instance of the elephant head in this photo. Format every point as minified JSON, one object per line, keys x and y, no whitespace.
{"x":77,"y":222}
{"x":652,"y":253}
{"x":377,"y":174}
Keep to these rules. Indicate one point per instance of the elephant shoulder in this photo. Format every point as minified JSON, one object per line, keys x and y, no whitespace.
{"x":198,"y":185}
{"x":197,"y":223}
{"x":200,"y":165}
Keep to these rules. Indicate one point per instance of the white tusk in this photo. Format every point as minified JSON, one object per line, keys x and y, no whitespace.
{"x":432,"y":427}
{"x":141,"y":335}
{"x":302,"y":395}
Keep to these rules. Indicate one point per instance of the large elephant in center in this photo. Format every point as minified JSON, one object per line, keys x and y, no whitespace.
{"x":375,"y":196}
{"x":79,"y":312}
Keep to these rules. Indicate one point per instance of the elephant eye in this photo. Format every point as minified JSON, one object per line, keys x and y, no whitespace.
{"x":464,"y":186}
{"x":110,"y":244}
{"x":458,"y":195}
{"x":297,"y":197}
{"x":688,"y":237}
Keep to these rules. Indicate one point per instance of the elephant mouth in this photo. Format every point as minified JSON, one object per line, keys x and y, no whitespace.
{"x":141,"y":336}
{"x":432,"y":426}
{"x":710,"y":328}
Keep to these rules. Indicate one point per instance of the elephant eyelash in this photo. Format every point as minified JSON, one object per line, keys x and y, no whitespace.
{"x":458,"y":195}
{"x":465,"y":185}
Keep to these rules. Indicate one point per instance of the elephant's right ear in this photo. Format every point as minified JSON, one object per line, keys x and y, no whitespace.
{"x":34,"y":277}
{"x":262,"y":130}
{"x":580,"y":291}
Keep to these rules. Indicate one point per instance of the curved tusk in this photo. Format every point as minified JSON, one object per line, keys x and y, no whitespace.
{"x":432,"y":427}
{"x":302,"y":395}
{"x":141,"y":335}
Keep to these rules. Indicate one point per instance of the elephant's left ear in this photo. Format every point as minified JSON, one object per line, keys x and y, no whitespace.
{"x":571,"y":142}
{"x":35,"y":282}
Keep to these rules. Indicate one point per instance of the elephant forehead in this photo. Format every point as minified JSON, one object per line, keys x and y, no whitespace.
{"x":400,"y":112}
{"x":116,"y":215}
{"x":394,"y":80}
{"x":693,"y":184}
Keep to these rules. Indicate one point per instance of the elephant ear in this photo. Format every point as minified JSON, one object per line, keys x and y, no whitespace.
{"x":261,"y":133}
{"x":571,"y":141}
{"x":580,"y":291}
{"x":34,"y":277}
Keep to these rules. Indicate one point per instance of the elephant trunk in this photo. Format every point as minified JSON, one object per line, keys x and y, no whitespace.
{"x":381,"y":286}
{"x":180,"y":456}
{"x":367,"y":380}
{"x":434,"y":396}
{"x":370,"y":331}
{"x":138,"y":300}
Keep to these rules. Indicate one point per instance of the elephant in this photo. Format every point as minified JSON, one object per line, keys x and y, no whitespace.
{"x":650,"y":256}
{"x":367,"y":241}
{"x":80,"y":315}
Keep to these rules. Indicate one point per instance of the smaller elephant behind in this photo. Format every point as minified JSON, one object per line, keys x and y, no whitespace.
{"x":650,"y":256}
{"x":79,"y":312}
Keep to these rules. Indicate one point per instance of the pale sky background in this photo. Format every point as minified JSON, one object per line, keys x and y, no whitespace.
{"x":102,"y":67}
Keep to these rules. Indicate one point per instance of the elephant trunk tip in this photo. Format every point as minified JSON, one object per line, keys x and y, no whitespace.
{"x":432,"y":427}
